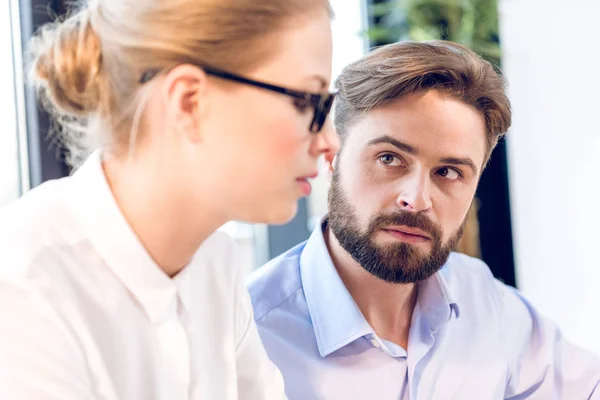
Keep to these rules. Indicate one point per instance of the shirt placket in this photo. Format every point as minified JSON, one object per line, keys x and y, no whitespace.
{"x":175,"y":352}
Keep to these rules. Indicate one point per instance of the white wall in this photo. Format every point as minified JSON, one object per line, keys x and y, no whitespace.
{"x":552,"y":62}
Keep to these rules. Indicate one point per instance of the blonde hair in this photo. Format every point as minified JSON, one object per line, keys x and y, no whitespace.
{"x":399,"y":69}
{"x":87,"y":67}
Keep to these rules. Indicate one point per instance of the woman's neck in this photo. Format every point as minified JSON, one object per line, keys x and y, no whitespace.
{"x":169,"y":222}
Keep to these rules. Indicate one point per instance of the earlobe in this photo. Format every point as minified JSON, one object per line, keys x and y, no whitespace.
{"x":194,"y":131}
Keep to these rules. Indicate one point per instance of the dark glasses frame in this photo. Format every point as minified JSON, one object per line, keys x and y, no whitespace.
{"x":321,"y":103}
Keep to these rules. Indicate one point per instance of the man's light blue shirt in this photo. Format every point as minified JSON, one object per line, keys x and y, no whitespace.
{"x":471,"y":337}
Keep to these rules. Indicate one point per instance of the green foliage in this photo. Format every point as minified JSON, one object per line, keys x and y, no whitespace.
{"x":473,"y":23}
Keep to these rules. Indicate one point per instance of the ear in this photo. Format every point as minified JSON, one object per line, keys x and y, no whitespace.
{"x":184,"y":93}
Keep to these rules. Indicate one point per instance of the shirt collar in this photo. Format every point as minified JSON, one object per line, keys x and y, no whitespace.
{"x":437,"y":301}
{"x":337,"y":320}
{"x":112,"y":237}
{"x":183,"y":284}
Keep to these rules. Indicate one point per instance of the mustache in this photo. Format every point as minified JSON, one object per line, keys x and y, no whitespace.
{"x":418,"y":221}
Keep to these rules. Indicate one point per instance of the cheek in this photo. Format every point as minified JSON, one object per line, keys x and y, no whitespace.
{"x":454,"y":210}
{"x":274,"y":151}
{"x":287,"y":143}
{"x":283,"y":140}
{"x":271,"y":128}
{"x":367,"y":197}
{"x":263,"y":133}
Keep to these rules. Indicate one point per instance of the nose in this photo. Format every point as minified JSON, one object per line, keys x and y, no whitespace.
{"x":326,"y":141}
{"x":415,"y":192}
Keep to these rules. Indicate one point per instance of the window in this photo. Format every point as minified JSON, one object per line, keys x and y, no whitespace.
{"x":13,"y":176}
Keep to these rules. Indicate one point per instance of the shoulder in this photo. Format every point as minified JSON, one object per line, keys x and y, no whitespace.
{"x":463,"y":267}
{"x":274,"y":283}
{"x":35,"y":283}
{"x":46,"y":261}
{"x":473,"y":285}
{"x":38,"y":224}
{"x":483,"y":296}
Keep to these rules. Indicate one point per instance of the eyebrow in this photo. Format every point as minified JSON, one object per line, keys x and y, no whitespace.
{"x":467,"y":162}
{"x":396,"y":143}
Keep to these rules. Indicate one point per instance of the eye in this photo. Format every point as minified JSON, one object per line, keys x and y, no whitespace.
{"x":302,"y":105}
{"x":449,"y":173}
{"x":389,"y":160}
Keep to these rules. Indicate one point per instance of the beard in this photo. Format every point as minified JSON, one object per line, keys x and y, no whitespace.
{"x":400,"y":263}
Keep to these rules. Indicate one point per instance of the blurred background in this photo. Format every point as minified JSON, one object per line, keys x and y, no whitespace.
{"x":537,"y":212}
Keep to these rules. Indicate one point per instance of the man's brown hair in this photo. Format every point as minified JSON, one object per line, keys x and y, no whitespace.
{"x":403,"y":68}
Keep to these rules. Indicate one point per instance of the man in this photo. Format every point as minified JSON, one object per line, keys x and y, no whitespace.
{"x":374,"y":305}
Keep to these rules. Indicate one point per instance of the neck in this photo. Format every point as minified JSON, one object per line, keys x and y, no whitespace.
{"x":170,"y":224}
{"x":387,"y":307}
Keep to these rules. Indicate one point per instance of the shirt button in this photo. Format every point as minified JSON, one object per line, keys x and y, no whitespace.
{"x":375,"y":343}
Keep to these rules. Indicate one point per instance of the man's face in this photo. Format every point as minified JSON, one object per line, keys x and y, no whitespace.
{"x":403,"y":184}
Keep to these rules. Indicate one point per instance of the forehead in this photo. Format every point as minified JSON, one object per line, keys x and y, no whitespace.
{"x":435,"y":124}
{"x":303,"y":51}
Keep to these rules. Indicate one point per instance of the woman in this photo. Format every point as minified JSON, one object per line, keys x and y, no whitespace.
{"x":113,"y":284}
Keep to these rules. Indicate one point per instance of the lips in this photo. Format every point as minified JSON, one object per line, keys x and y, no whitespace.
{"x":304,"y":184}
{"x":405,"y":230}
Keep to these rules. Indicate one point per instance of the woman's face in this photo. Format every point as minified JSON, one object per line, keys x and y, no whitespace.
{"x":258,"y":151}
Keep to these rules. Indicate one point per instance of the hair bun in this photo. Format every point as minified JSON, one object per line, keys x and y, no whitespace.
{"x":66,"y":63}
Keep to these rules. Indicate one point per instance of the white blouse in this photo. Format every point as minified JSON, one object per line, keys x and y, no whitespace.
{"x":85,"y":313}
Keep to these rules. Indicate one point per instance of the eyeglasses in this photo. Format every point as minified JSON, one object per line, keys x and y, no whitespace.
{"x":321,"y":103}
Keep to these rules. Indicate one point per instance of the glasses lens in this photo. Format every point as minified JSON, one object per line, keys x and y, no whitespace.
{"x":321,"y":111}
